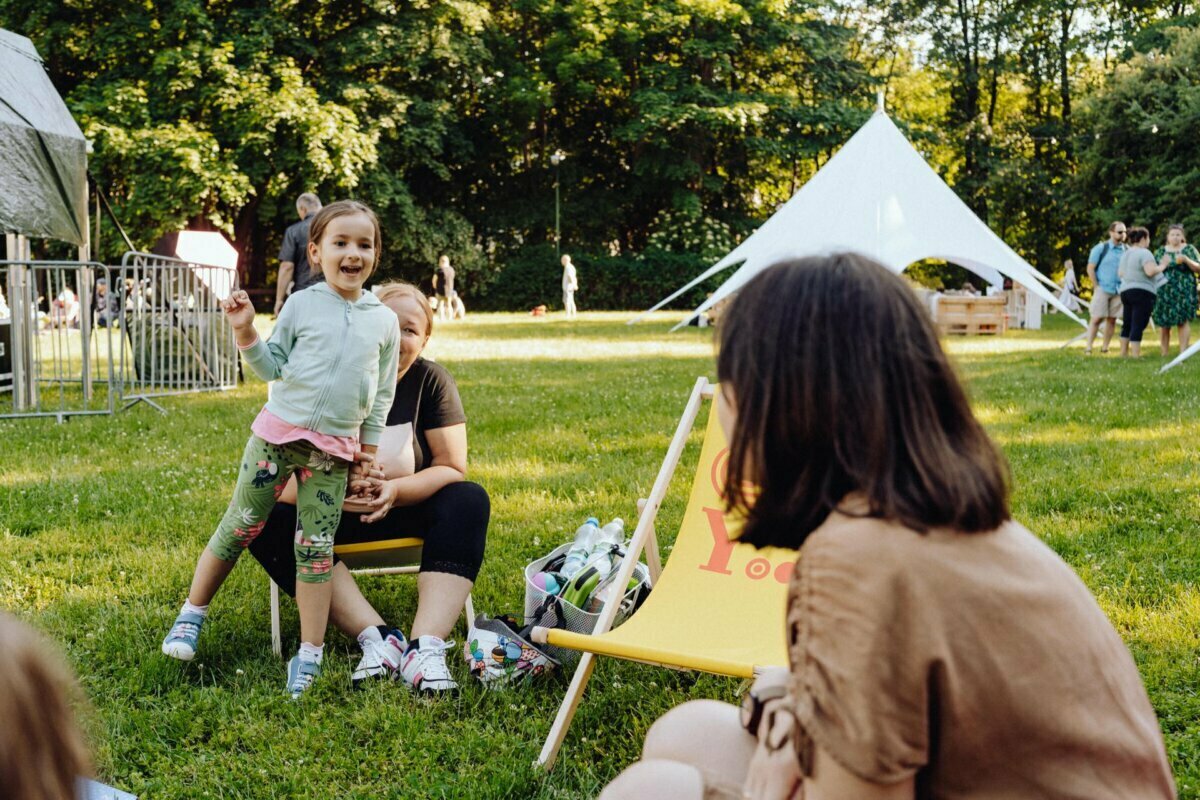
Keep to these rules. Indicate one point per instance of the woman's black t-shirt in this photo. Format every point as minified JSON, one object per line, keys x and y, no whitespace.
{"x":426,"y":399}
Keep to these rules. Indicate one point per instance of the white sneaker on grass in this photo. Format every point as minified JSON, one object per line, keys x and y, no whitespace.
{"x":380,"y":656}
{"x":424,"y":666}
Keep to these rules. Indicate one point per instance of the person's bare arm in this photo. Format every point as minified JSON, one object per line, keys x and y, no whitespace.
{"x":1091,"y":273}
{"x":286,"y":270}
{"x":448,"y":464}
{"x":1152,"y":267}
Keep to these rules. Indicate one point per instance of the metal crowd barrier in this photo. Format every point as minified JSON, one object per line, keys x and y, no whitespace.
{"x":177,"y":340}
{"x":55,"y":347}
{"x":68,"y":348}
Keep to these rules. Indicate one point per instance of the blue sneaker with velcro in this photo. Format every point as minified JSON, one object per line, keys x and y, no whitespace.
{"x":182,"y":641}
{"x":301,"y":674}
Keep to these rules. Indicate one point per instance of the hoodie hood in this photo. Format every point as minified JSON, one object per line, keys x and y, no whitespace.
{"x":366,"y":300}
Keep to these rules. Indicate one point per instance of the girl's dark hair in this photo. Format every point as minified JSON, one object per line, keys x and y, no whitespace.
{"x":1136,"y":235}
{"x":840,"y":385}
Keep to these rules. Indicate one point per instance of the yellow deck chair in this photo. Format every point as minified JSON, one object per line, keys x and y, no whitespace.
{"x":717,"y":606}
{"x":385,"y":557}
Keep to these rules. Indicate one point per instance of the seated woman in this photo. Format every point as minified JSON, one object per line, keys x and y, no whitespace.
{"x":418,"y":489}
{"x":937,"y":647}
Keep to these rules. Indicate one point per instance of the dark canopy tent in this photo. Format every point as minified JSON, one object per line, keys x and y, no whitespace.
{"x":43,"y":154}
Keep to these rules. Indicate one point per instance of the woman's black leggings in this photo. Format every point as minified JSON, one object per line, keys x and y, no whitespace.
{"x":453,"y":523}
{"x":1138,"y":304}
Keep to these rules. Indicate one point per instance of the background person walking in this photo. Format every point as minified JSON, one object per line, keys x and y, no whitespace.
{"x":1102,"y":266}
{"x":294,"y":271}
{"x":1176,"y":303}
{"x":570,"y":283}
{"x":443,"y":288}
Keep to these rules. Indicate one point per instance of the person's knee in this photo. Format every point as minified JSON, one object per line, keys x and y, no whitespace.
{"x":673,"y":735}
{"x":314,"y":563}
{"x":666,"y":779}
{"x":468,"y":501}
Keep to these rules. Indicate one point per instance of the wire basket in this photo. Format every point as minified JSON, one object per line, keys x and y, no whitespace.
{"x":574,"y":618}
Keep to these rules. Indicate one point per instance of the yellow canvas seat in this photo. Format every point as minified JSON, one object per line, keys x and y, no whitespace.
{"x":716,"y":607}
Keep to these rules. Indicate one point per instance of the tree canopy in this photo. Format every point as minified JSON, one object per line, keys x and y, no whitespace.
{"x":682,"y":123}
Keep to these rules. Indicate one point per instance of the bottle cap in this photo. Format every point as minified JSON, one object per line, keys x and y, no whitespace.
{"x":594,"y":521}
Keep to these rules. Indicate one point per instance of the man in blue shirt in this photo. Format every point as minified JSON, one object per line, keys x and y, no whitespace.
{"x":294,"y":273}
{"x":1102,"y":266}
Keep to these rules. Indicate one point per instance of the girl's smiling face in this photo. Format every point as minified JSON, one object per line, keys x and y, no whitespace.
{"x":414,"y":329}
{"x":346,"y":253}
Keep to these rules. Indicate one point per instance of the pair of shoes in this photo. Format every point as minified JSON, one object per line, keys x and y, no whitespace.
{"x":424,"y":666}
{"x":1104,"y":351}
{"x":380,"y":658}
{"x":301,"y":674}
{"x":182,"y":641}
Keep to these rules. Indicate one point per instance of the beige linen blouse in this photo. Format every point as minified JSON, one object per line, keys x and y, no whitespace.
{"x":980,"y":663}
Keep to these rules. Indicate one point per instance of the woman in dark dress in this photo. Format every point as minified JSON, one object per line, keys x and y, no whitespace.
{"x":1175,"y":306}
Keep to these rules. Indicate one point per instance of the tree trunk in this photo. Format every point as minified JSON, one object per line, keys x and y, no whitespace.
{"x":1065,"y":17}
{"x":252,"y":257}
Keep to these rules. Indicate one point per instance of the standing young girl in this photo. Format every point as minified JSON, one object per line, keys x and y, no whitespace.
{"x":332,"y":356}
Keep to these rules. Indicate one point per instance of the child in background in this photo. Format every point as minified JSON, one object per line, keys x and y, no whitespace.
{"x":333,"y":355}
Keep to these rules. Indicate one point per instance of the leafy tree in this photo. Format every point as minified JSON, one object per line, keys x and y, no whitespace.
{"x":1143,"y":162}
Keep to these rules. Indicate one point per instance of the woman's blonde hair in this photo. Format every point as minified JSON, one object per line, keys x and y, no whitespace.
{"x":393,"y":289}
{"x":42,"y":753}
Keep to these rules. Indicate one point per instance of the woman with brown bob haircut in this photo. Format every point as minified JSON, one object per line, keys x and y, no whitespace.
{"x":42,"y":753}
{"x":937,"y":647}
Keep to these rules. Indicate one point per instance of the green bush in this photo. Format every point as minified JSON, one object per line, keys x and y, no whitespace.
{"x":534,"y":277}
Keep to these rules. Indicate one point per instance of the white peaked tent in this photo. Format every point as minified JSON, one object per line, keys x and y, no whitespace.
{"x":877,"y":196}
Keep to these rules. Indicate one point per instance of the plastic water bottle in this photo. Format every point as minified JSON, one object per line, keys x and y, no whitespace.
{"x":601,"y":554}
{"x":581,"y":548}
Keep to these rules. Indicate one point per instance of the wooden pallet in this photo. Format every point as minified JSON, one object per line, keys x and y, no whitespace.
{"x":970,"y":315}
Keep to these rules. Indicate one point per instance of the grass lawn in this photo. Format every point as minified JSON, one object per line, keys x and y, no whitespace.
{"x":102,"y":518}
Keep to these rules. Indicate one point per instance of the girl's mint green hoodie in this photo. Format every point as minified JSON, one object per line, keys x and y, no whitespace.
{"x":334,"y":363}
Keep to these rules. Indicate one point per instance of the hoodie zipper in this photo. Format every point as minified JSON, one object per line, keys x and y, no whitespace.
{"x":319,"y":409}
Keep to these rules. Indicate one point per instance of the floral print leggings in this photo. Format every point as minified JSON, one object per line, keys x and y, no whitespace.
{"x":320,"y":488}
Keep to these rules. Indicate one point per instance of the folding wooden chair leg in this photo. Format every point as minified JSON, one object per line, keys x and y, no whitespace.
{"x":641,"y":536}
{"x":276,"y":638}
{"x":653,"y":559}
{"x":469,"y":610}
{"x":566,"y":712}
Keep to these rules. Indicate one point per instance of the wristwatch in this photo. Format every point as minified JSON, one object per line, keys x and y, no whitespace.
{"x":753,"y":703}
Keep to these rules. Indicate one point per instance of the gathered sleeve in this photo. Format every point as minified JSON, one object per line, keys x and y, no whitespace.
{"x":859,"y":677}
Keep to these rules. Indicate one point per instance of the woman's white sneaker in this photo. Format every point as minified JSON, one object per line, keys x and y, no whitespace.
{"x":381,"y":656}
{"x":424,"y":666}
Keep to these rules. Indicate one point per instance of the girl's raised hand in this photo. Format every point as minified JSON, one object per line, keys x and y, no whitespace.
{"x":238,"y":309}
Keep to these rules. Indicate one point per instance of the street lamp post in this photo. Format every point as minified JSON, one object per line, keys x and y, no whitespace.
{"x":556,"y":159}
